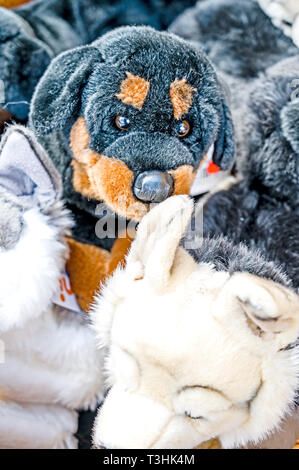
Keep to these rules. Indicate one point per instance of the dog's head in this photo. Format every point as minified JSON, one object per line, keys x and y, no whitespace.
{"x":142,"y":109}
{"x":269,"y":131}
{"x":193,"y":353}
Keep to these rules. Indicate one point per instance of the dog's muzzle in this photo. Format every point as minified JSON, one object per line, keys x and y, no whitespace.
{"x":153,"y":186}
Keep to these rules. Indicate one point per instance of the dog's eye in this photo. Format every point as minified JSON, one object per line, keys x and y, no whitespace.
{"x":122,"y":123}
{"x":182,"y":129}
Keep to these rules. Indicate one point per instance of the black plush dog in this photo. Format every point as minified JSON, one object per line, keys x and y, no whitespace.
{"x":139,"y":110}
{"x":33,"y":34}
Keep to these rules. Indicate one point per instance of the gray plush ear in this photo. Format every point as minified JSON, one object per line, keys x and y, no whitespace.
{"x":57,"y":97}
{"x":224,"y":154}
{"x":290,"y":123}
{"x":26,"y":171}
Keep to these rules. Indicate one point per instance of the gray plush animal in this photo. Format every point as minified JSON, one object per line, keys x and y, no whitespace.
{"x":262,"y":210}
{"x":51,"y":365}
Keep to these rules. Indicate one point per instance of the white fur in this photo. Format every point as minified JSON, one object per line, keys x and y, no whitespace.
{"x":196,"y":327}
{"x":51,"y":360}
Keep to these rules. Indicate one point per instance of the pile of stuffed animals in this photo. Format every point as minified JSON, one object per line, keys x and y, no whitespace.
{"x":133,"y":315}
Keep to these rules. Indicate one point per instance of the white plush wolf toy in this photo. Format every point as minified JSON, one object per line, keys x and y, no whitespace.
{"x":195,"y":352}
{"x":49,"y":365}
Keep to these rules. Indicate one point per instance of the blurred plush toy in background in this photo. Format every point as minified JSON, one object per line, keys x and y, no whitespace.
{"x":242,"y":43}
{"x":284,"y":14}
{"x":263,"y":208}
{"x":139,"y":112}
{"x":33,"y":34}
{"x":50,"y":366}
{"x":200,"y":342}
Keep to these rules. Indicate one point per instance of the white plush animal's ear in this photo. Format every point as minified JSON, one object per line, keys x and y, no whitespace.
{"x":271,"y":310}
{"x":26,"y":171}
{"x":158,"y":236}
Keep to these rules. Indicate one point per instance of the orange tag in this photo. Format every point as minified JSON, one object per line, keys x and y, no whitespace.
{"x":213,"y":168}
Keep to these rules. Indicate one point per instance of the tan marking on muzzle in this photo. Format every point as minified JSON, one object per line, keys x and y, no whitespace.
{"x":181,"y":95}
{"x":103,"y":178}
{"x":183,"y":178}
{"x":133,"y":91}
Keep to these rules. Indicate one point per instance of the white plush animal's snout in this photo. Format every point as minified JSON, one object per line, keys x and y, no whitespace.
{"x":134,"y":421}
{"x":130,"y":420}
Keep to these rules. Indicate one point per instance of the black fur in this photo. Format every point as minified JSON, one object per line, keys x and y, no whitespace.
{"x":85,"y":81}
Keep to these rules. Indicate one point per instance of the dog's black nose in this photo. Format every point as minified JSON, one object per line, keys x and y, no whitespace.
{"x":153,"y":186}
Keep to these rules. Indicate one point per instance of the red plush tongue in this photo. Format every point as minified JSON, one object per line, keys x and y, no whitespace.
{"x":213,"y":168}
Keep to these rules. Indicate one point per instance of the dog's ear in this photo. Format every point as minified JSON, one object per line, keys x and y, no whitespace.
{"x":57,"y":97}
{"x":224,"y":153}
{"x":270,"y":309}
{"x":158,"y":237}
{"x":26,"y":172}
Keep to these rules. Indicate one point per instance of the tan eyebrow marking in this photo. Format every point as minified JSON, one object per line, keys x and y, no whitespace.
{"x":181,"y":95}
{"x":133,"y":91}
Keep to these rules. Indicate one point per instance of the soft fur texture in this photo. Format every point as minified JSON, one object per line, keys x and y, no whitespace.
{"x":51,"y":364}
{"x":262,"y":209}
{"x":32,"y":35}
{"x":82,"y":93}
{"x":173,"y":326}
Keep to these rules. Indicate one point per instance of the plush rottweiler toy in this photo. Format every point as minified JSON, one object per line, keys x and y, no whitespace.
{"x":138,"y":110}
{"x":32,"y":35}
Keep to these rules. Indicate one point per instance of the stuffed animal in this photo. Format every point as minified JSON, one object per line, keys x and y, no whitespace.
{"x":263,"y":208}
{"x":50,"y":366}
{"x":128,"y":121}
{"x":242,"y":43}
{"x":200,"y":337}
{"x":231,"y":295}
{"x":33,"y":34}
{"x":237,"y":35}
{"x":284,"y":14}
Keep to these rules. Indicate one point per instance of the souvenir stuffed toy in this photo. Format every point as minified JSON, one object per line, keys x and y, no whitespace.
{"x":128,"y":121}
{"x":200,"y":336}
{"x":49,"y":364}
{"x":241,"y":41}
{"x":263,"y":208}
{"x":232,"y":293}
{"x":284,"y":14}
{"x":32,"y":35}
{"x":237,"y":35}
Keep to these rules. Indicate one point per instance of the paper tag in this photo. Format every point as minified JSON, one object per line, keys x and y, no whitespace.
{"x":208,"y":175}
{"x":64,"y":296}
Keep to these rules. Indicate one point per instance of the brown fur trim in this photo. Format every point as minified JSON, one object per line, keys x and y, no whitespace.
{"x":133,"y":91}
{"x":211,"y":444}
{"x":183,"y":178}
{"x":181,"y":95}
{"x":103,"y":178}
{"x":119,"y":251}
{"x":87,"y":267}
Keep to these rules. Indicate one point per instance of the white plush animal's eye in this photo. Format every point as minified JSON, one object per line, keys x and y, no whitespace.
{"x":124,"y":368}
{"x":199,"y":402}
